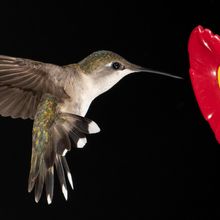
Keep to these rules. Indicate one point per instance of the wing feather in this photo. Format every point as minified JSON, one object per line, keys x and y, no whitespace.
{"x":22,"y":83}
{"x":17,"y":103}
{"x":19,"y":69}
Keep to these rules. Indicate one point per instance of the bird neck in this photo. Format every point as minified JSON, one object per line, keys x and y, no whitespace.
{"x":80,"y":91}
{"x":84,"y":88}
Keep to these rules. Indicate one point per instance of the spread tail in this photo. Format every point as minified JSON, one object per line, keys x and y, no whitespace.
{"x":50,"y":144}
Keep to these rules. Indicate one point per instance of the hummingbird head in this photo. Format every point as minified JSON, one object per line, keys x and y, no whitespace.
{"x":104,"y":69}
{"x":105,"y":63}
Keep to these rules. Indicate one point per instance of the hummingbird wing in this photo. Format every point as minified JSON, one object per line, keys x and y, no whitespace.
{"x":22,"y":83}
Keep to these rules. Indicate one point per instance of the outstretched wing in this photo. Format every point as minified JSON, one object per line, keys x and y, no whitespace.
{"x":23,"y":81}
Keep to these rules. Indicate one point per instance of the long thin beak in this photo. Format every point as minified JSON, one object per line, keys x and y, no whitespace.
{"x":142,"y":69}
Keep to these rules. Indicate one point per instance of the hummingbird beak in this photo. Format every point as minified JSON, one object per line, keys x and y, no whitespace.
{"x":142,"y":69}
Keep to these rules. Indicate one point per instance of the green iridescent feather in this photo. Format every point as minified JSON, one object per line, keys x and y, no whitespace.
{"x":43,"y":152}
{"x":44,"y":118}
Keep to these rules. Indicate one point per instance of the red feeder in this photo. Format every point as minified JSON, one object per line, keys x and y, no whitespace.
{"x":204,"y":56}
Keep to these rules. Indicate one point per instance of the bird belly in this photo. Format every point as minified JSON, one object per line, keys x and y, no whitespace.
{"x":78,"y":106}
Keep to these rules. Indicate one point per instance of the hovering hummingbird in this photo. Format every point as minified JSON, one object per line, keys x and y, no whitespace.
{"x":57,"y":98}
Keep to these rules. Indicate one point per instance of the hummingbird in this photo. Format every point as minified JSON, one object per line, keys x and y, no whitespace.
{"x":57,"y":98}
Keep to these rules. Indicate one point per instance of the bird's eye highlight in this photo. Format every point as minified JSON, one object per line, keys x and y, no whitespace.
{"x":117,"y":66}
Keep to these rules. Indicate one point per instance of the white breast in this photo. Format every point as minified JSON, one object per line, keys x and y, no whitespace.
{"x":81,"y":93}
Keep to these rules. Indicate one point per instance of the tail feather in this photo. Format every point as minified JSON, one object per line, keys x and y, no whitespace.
{"x":49,"y":148}
{"x":35,"y":165}
{"x":49,"y":183}
{"x":39,"y":183}
{"x":79,"y":139}
{"x":50,"y":154}
{"x":82,"y":124}
{"x":67,"y":169}
{"x":60,"y":139}
{"x":61,"y":175}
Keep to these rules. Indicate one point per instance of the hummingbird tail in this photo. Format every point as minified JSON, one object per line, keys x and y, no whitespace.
{"x":50,"y":146}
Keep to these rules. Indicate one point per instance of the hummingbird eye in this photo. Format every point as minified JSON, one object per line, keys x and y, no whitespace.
{"x":117,"y":66}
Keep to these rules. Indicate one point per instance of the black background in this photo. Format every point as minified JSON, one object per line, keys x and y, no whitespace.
{"x":156,"y":155}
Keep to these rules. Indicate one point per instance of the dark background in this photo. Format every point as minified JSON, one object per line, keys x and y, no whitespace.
{"x":156,"y":155}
